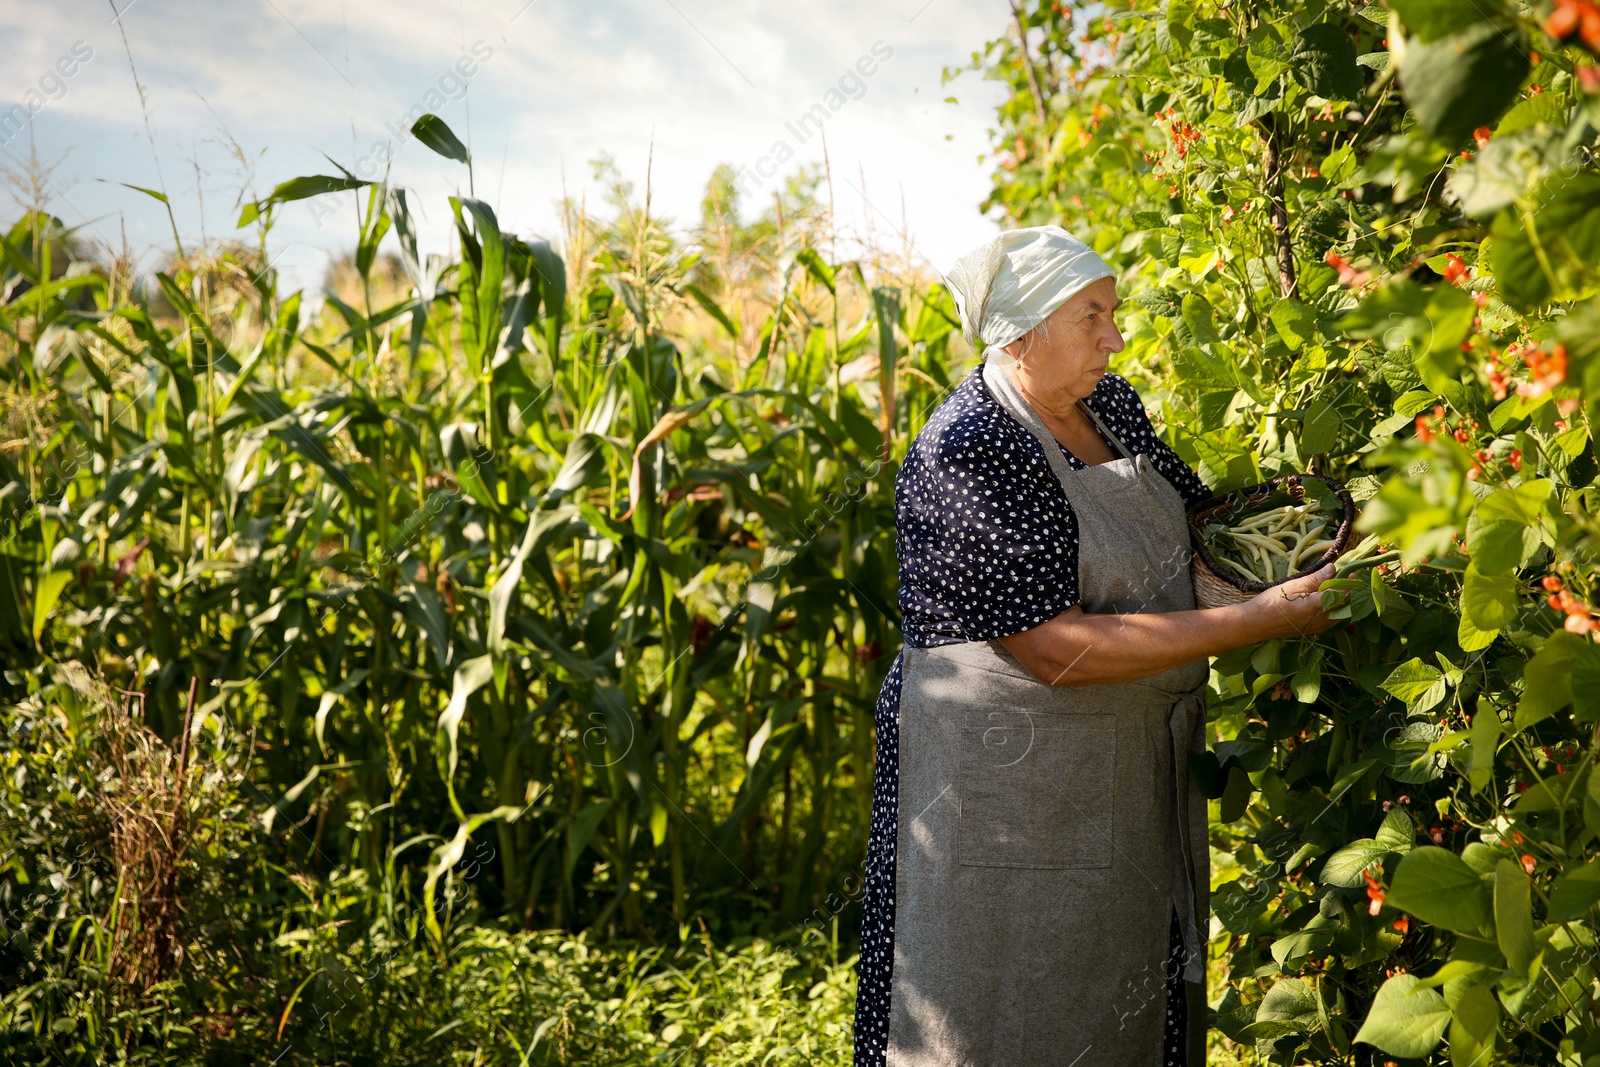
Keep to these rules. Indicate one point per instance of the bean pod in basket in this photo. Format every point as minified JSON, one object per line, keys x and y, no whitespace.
{"x":1252,"y":539}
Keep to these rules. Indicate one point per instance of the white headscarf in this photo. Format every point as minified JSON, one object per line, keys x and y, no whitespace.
{"x":1014,"y":282}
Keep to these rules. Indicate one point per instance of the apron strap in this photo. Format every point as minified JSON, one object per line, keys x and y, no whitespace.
{"x":1105,"y":431}
{"x":1186,"y":724}
{"x":1011,"y":399}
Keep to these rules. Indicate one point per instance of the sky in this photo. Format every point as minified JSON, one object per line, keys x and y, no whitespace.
{"x":244,"y":95}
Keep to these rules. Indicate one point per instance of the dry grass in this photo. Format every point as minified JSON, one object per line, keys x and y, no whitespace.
{"x":152,"y":831}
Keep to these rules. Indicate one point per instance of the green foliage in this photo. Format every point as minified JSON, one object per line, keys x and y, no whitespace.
{"x":1404,"y":1020}
{"x":554,"y":591}
{"x":432,"y":131}
{"x":289,"y":969}
{"x":583,"y":563}
{"x":1358,"y":240}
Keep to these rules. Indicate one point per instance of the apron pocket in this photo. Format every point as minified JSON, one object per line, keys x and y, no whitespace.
{"x":1036,"y":790}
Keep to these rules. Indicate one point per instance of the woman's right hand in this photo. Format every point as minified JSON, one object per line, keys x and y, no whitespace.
{"x":1293,"y":609}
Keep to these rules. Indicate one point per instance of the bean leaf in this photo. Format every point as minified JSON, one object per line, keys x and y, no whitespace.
{"x":1438,"y":887}
{"x":1489,"y":600}
{"x":1405,"y":1021}
{"x":1460,"y":82}
{"x":1421,"y":686}
{"x":1345,"y":866}
{"x":1503,"y":530}
{"x":1323,"y":59}
{"x":1513,"y":914}
{"x":1574,"y":893}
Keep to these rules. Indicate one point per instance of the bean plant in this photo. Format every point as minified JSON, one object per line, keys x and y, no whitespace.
{"x":1359,"y":240}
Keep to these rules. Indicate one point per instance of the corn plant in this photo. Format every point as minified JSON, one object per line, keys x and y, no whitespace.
{"x":495,"y":548}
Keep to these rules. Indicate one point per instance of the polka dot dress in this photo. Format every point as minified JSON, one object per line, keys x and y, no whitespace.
{"x":988,"y":547}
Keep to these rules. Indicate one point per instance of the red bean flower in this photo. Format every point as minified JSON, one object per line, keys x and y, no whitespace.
{"x":1575,"y":18}
{"x":1349,"y":277}
{"x":1375,"y":892}
{"x":1549,"y":370}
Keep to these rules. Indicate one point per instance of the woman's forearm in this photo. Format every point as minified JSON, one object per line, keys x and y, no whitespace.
{"x":1076,"y":648}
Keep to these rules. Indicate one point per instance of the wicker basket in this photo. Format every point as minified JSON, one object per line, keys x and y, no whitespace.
{"x":1214,"y":586}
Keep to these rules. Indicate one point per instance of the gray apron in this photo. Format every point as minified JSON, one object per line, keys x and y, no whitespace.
{"x":1047,"y":833}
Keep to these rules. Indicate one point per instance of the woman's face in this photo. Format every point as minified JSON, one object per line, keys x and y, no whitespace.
{"x":1068,"y":352}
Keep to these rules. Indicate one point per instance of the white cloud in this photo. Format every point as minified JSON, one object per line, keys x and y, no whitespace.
{"x":705,"y":81}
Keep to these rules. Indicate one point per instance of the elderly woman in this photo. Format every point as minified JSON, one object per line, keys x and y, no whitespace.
{"x":1037,"y":865}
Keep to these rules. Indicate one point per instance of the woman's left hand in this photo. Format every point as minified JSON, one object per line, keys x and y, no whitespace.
{"x":1293,"y":609}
